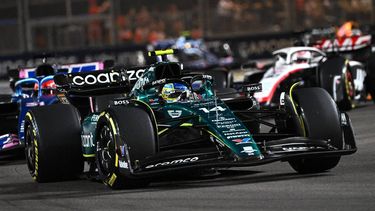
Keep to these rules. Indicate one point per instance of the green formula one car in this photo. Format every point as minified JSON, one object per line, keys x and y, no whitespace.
{"x":171,"y":122}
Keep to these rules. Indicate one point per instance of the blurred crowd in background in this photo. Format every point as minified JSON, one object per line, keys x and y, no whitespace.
{"x":32,"y":25}
{"x":149,"y":24}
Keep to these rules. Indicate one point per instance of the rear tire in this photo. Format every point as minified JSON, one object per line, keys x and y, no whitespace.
{"x":9,"y":118}
{"x":4,"y":98}
{"x":138,"y":141}
{"x":333,"y":67}
{"x":348,"y":92}
{"x":370,"y":78}
{"x":53,"y":143}
{"x":320,"y":121}
{"x":370,"y":86}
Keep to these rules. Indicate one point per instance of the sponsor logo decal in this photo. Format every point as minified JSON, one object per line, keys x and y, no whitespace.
{"x":141,"y":82}
{"x":120,"y":102}
{"x":22,"y":129}
{"x":217,"y":108}
{"x":102,"y":78}
{"x":122,"y":149}
{"x":63,"y":99}
{"x":76,"y":68}
{"x":154,"y":101}
{"x":253,"y":88}
{"x":161,"y":81}
{"x":350,"y":43}
{"x":87,"y":140}
{"x":32,"y":104}
{"x":241,"y":141}
{"x":174,"y":113}
{"x":207,"y":77}
{"x":282,"y":98}
{"x":173,"y":162}
{"x":123,"y":164}
{"x":135,"y":74}
{"x":94,"y":118}
{"x":249,"y":150}
{"x":301,"y":148}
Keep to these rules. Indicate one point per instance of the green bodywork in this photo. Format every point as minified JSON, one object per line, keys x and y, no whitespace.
{"x":221,"y":123}
{"x":88,"y":135}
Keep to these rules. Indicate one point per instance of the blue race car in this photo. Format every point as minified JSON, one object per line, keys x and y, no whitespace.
{"x":33,"y":87}
{"x":195,"y":54}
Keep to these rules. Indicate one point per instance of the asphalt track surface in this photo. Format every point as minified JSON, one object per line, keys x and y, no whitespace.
{"x":349,"y":186}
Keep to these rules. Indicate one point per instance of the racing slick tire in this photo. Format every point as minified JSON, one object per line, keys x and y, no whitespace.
{"x":370,"y":78}
{"x":320,"y":120}
{"x":8,"y":118}
{"x":345,"y":93}
{"x":348,"y":92}
{"x":4,"y":98}
{"x":370,"y":86}
{"x":53,"y":143}
{"x":125,"y":135}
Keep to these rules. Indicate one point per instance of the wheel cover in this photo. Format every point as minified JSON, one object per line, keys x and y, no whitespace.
{"x":30,"y":149}
{"x":106,"y":150}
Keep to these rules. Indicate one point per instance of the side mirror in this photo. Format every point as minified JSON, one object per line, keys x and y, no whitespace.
{"x":197,"y":85}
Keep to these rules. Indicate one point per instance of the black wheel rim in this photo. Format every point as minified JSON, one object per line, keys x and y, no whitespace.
{"x":30,"y":149}
{"x":106,"y":150}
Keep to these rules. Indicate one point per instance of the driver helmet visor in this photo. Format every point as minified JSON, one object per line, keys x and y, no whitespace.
{"x":172,"y":91}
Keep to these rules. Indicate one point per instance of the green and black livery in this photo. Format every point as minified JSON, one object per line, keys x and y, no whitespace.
{"x":129,"y":132}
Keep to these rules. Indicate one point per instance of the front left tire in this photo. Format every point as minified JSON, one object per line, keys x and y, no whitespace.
{"x":320,"y":120}
{"x":125,"y":136}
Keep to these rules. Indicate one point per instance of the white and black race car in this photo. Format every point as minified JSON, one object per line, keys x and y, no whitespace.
{"x":342,"y":78}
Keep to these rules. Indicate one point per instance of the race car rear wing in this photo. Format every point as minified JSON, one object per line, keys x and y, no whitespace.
{"x":92,"y":83}
{"x":114,"y":80}
{"x":68,"y":68}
